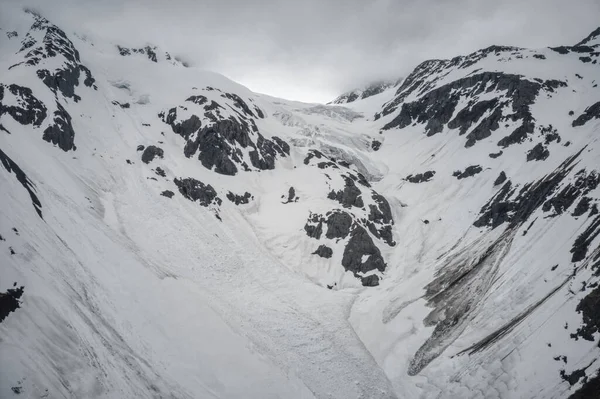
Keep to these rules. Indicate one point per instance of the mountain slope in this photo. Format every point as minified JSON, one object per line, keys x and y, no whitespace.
{"x":168,"y":233}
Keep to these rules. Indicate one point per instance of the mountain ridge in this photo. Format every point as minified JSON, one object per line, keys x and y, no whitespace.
{"x":411,"y":247}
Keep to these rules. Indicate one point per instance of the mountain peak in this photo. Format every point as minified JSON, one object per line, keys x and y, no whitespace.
{"x":369,"y":90}
{"x":592,"y":39}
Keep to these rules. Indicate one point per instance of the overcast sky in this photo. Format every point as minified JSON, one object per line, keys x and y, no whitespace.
{"x":313,"y":50}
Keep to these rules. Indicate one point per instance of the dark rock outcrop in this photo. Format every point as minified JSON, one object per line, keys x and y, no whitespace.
{"x":338,"y":224}
{"x":239,"y":199}
{"x":219,"y":144}
{"x":420,"y":177}
{"x":436,"y":107}
{"x":29,"y":111}
{"x":195,"y":190}
{"x":370,"y":281}
{"x":324,"y":252}
{"x":468,"y":172}
{"x":291,"y":196}
{"x":361,"y":245}
{"x":9,"y":301}
{"x":151,"y":152}
{"x":591,"y":112}
{"x":12,"y":167}
{"x":61,"y":132}
{"x":167,"y":193}
{"x":314,"y":226}
{"x":55,"y":43}
{"x":500,"y":179}
{"x":538,"y":153}
{"x":350,"y":196}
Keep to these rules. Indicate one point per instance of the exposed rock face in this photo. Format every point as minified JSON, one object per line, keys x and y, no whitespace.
{"x":361,"y":245}
{"x":468,"y":172}
{"x":324,"y":252}
{"x":25,"y":108}
{"x":436,"y":107}
{"x":195,"y":190}
{"x":338,"y":224}
{"x":291,"y":196}
{"x":380,"y":219}
{"x":55,"y":43}
{"x":167,"y":193}
{"x":543,"y":193}
{"x":151,"y":152}
{"x":591,"y":112}
{"x":9,"y":301}
{"x":12,"y":167}
{"x":314,"y":226}
{"x":239,"y":199}
{"x":421,"y":177}
{"x":160,"y":171}
{"x":370,"y":281}
{"x":360,"y":94}
{"x":219,"y":140}
{"x":538,"y":153}
{"x":350,"y":196}
{"x":500,"y":179}
{"x":61,"y":132}
{"x":150,"y":52}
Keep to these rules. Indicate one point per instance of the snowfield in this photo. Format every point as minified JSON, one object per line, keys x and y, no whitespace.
{"x":179,"y":236}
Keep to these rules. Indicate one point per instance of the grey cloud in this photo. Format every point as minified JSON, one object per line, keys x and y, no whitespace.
{"x":313,"y":50}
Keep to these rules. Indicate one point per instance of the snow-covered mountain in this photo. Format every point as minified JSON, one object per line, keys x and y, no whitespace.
{"x":366,"y":92}
{"x":166,"y":232}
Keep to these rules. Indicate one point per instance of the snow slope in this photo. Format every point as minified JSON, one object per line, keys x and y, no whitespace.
{"x":177,"y":235}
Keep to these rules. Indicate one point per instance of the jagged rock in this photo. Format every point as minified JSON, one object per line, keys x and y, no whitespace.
{"x":61,"y":132}
{"x":502,"y":208}
{"x":239,"y":199}
{"x":375,"y":145}
{"x":359,"y":245}
{"x":500,"y":179}
{"x":167,"y":193}
{"x":584,"y":240}
{"x":324,"y":252}
{"x":122,"y":105}
{"x":291,"y":196}
{"x":185,"y":128}
{"x":583,"y":184}
{"x":29,"y":111}
{"x":538,"y":153}
{"x":195,"y":190}
{"x":370,"y":281}
{"x":313,"y":154}
{"x":159,"y":171}
{"x":338,"y":224}
{"x":468,"y":172}
{"x":582,"y":207}
{"x":380,"y":219}
{"x":151,"y":152}
{"x":199,"y":100}
{"x":314,"y":226}
{"x":350,"y":196}
{"x":591,"y":112}
{"x":219,"y":144}
{"x":420,"y":177}
{"x":56,"y":43}
{"x":496,"y":154}
{"x":436,"y":107}
{"x":140,"y":148}
{"x":150,"y":52}
{"x":12,"y":167}
{"x":9,"y":301}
